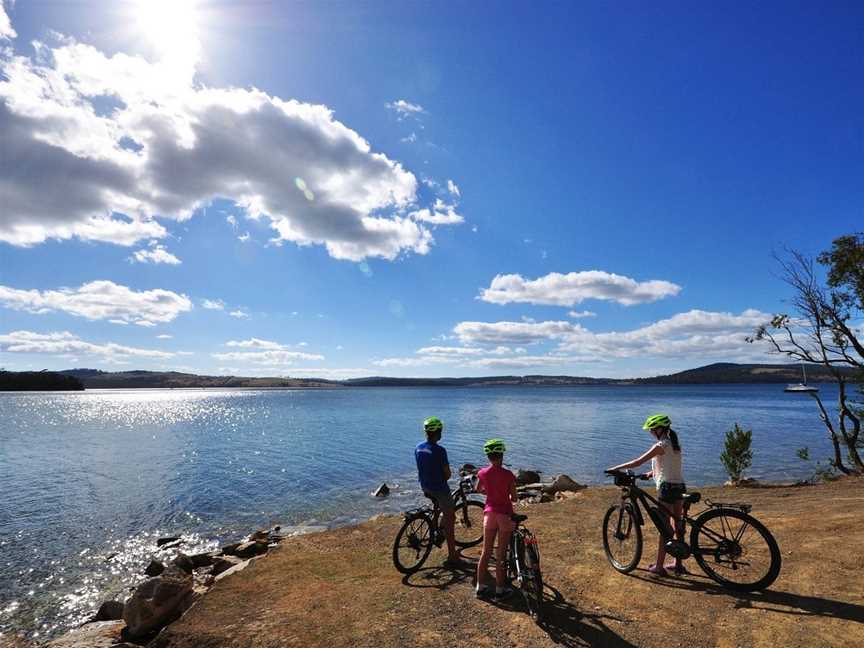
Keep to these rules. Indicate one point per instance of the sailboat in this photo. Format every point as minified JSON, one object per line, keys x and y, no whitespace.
{"x":803,"y":387}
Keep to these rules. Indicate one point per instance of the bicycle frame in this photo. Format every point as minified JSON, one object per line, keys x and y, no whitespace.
{"x":637,"y":496}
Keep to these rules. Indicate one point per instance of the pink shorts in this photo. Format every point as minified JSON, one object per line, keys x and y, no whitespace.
{"x":493,"y":522}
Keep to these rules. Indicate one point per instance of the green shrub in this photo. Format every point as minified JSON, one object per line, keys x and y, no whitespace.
{"x":737,"y":455}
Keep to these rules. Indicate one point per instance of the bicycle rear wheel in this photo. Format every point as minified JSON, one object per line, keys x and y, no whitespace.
{"x":413,"y":544}
{"x":532,"y":578}
{"x":468,"y":527}
{"x":622,"y":538}
{"x":735,"y":549}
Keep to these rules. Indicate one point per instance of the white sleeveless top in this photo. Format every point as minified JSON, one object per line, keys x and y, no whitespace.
{"x":667,"y":466}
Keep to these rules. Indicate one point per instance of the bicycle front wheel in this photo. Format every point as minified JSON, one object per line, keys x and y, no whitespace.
{"x":735,"y":549}
{"x":622,"y":538}
{"x":468,"y":527}
{"x":532,"y":579}
{"x":413,"y":544}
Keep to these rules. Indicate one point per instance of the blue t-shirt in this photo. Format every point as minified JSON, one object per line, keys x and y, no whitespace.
{"x":431,"y":459}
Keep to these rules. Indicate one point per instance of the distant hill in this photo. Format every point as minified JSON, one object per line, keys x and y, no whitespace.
{"x":38,"y":381}
{"x":719,"y":373}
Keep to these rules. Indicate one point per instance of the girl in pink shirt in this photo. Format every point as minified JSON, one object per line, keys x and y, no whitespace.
{"x":499,"y":484}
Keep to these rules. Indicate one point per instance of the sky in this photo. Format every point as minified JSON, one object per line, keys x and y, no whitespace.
{"x":416,"y":189}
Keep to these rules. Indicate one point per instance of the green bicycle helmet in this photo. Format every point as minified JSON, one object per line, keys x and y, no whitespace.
{"x":494,"y":446}
{"x":657,"y":421}
{"x":433,"y":425}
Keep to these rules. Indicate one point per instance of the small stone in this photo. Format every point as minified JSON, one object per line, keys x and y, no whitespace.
{"x":154,"y":568}
{"x":161,"y":542}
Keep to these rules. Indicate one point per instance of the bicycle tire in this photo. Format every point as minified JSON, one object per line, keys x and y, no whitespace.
{"x":625,"y":528}
{"x":727,"y":553}
{"x":413,"y":539}
{"x":532,"y":582}
{"x":468,"y":526}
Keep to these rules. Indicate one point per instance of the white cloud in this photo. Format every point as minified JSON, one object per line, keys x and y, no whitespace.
{"x":171,"y":147}
{"x":164,"y":336}
{"x":213,"y":304}
{"x":271,"y":358}
{"x":66,"y":343}
{"x":231,"y":220}
{"x":243,"y":237}
{"x":405,"y":108}
{"x":409,"y":139}
{"x":239,"y":314}
{"x":6,"y":31}
{"x":575,"y":287}
{"x":453,"y":188}
{"x":156,"y":254}
{"x":457,"y":352}
{"x":255,"y":343}
{"x":101,"y":300}
{"x":580,"y":314}
{"x":439,"y":214}
{"x":514,"y":332}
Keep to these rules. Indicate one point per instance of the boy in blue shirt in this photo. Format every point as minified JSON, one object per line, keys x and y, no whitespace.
{"x":433,"y":470}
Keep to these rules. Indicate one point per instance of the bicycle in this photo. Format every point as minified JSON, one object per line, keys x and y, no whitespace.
{"x":523,"y":567}
{"x":720,"y":538}
{"x":420,"y":530}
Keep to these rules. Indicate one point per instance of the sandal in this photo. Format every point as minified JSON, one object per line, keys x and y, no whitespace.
{"x":657,"y":570}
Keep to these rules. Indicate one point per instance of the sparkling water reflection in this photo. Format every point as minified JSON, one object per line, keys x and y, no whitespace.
{"x":90,"y":480}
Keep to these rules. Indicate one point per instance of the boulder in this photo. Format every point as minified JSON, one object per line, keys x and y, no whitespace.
{"x":167,"y":540}
{"x":527,"y":477}
{"x":184,"y":562}
{"x":154,"y":568}
{"x":103,"y":634}
{"x":528,"y":494}
{"x":230,"y":549}
{"x":546,"y":498}
{"x":202,"y":559}
{"x":157,"y":602}
{"x":109,"y":611}
{"x":224,"y":563}
{"x":562,"y":483}
{"x":251,"y":548}
{"x":382,"y":491}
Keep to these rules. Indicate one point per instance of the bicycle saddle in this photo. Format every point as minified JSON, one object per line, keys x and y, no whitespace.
{"x":518,"y":518}
{"x":691,"y":498}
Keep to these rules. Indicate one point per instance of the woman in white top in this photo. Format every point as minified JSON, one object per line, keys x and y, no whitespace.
{"x":665,"y":456}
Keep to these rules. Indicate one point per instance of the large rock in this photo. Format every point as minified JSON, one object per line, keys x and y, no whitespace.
{"x":184,"y":562}
{"x":527,"y":477}
{"x":382,"y":491}
{"x":251,"y":548}
{"x":224,"y":563}
{"x":562,"y":483}
{"x":154,"y":568}
{"x":104,"y":634}
{"x":202,"y":559}
{"x":109,"y":611}
{"x":158,"y":601}
{"x":230,"y":549}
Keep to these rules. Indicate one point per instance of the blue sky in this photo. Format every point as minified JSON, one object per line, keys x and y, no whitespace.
{"x":421,"y":189}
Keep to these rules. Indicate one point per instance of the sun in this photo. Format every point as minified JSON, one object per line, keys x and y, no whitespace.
{"x":171,"y":27}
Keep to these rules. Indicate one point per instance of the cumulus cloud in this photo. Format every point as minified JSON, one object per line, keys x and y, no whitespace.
{"x":66,"y":343}
{"x":575,"y":287}
{"x":164,"y":336}
{"x":529,"y":332}
{"x":6,"y":31}
{"x":156,"y":254}
{"x":255,"y":343}
{"x":101,"y":300}
{"x":239,"y":314}
{"x":453,"y":188}
{"x":270,"y":358}
{"x":169,"y":147}
{"x":439,"y":214}
{"x":581,"y":314}
{"x":213,"y":304}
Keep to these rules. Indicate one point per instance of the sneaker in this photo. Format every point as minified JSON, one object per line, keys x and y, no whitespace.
{"x":483,"y":592}
{"x":503,"y":594}
{"x":454,"y":563}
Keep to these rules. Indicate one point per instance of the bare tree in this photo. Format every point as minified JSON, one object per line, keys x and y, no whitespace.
{"x":823,"y":332}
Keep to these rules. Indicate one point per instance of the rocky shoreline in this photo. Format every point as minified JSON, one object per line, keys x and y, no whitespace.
{"x":174,"y":585}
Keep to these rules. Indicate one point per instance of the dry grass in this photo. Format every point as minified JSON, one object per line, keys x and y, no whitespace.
{"x":339,"y":588}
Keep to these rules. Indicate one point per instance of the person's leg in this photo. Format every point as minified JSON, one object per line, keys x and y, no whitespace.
{"x":489,"y":530}
{"x":505,"y":530}
{"x":658,"y":568}
{"x":678,"y":512}
{"x":449,"y":521}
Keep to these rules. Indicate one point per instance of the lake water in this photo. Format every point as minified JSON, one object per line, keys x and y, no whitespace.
{"x":89,"y":480}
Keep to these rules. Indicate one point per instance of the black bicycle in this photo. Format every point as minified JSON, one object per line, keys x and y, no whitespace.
{"x":730,"y":545}
{"x":421,"y":529}
{"x":523,"y":567}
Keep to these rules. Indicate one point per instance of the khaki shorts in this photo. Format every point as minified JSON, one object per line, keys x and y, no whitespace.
{"x":442,"y":498}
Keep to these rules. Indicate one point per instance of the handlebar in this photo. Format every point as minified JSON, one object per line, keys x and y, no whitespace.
{"x":627,"y":473}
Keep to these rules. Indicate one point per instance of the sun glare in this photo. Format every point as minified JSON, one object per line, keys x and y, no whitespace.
{"x":171,"y":27}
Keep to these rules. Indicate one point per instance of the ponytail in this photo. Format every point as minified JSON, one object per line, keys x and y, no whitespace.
{"x":673,"y":437}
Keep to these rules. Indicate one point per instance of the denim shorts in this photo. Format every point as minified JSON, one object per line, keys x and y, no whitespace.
{"x":671,"y":492}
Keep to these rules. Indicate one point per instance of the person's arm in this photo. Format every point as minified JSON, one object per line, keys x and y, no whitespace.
{"x":446,"y":462}
{"x":447,"y":472}
{"x":652,"y":452}
{"x":514,"y":496}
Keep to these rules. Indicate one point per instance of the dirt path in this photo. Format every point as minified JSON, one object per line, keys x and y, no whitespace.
{"x":339,"y":588}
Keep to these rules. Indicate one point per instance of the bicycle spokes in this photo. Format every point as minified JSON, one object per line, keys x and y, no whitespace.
{"x":734,"y":550}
